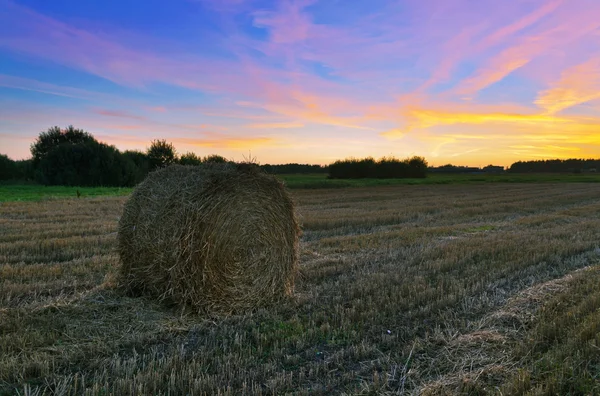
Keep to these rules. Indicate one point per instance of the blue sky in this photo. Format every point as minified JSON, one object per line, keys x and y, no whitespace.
{"x":308,"y":81}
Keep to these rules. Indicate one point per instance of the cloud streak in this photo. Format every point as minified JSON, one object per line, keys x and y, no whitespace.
{"x":435,"y":78}
{"x":578,"y":84}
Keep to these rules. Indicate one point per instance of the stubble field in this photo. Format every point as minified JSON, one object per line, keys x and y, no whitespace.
{"x":432,"y":289}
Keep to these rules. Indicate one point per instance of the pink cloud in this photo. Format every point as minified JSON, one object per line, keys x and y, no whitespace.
{"x":578,"y":84}
{"x":289,"y":24}
{"x":117,"y":113}
{"x":570,"y":22}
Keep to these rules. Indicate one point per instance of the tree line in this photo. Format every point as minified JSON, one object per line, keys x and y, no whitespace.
{"x":73,"y":157}
{"x":384,"y":168}
{"x":556,"y":166}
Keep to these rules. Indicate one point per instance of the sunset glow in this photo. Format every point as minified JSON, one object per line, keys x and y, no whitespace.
{"x":455,"y":81}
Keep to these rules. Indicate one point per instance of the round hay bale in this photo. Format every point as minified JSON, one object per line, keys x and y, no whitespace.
{"x":220,"y":238}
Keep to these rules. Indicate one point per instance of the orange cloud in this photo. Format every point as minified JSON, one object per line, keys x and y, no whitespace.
{"x":423,"y":118}
{"x":577,"y":85}
{"x":310,"y":108}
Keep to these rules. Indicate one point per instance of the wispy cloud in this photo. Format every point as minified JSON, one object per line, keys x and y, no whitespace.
{"x":117,"y":113}
{"x":28,"y":84}
{"x":383,"y":77}
{"x":578,"y":84}
{"x":570,"y":21}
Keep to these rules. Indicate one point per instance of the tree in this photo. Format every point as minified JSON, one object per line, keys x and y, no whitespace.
{"x":384,"y":168}
{"x":141,"y":164}
{"x":161,"y":154}
{"x":417,"y":167}
{"x":86,"y":164}
{"x":214,"y":159}
{"x":24,"y":169}
{"x":190,"y":158}
{"x":54,"y":137}
{"x":8,"y":168}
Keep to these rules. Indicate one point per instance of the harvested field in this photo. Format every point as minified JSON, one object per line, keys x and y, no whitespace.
{"x":435,"y":289}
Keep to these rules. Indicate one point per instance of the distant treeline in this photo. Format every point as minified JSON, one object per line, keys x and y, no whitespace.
{"x":384,"y":168}
{"x":73,"y":157}
{"x":15,"y":170}
{"x":449,"y":168}
{"x":294,"y":168}
{"x":556,"y":166}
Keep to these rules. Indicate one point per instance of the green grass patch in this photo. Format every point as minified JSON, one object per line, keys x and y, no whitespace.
{"x":482,"y":228}
{"x":321,"y":180}
{"x":35,"y":192}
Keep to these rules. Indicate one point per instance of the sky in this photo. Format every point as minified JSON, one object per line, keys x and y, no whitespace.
{"x":467,"y":82}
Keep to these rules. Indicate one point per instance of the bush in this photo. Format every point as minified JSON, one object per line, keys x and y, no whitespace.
{"x":141,"y":165}
{"x":86,"y":164}
{"x":161,"y":154}
{"x":294,"y":168}
{"x":8,"y":168}
{"x":385,"y":168}
{"x":555,"y":166}
{"x":54,"y":137}
{"x":353,"y":168}
{"x":24,"y":170}
{"x":214,"y":159}
{"x":190,"y":159}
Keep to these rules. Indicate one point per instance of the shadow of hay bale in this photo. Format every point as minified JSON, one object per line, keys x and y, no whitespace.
{"x":221,"y":238}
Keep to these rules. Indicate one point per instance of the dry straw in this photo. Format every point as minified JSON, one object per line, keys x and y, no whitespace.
{"x":220,"y":238}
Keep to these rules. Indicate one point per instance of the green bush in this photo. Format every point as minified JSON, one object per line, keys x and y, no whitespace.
{"x":86,"y":164}
{"x":161,"y":154}
{"x":141,"y":164}
{"x":385,"y":168}
{"x":8,"y":168}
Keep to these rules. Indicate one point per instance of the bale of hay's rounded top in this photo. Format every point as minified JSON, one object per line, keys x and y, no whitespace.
{"x":221,"y":238}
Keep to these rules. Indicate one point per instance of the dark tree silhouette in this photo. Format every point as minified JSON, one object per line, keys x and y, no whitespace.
{"x":190,"y":158}
{"x":54,"y":137}
{"x":86,"y":164}
{"x":8,"y":168}
{"x":385,"y":168}
{"x":294,"y":168}
{"x":556,"y":166}
{"x":161,"y":153}
{"x":214,"y":159}
{"x":141,"y":162}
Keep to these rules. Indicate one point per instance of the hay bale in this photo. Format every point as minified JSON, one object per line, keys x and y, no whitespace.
{"x":221,"y":238}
